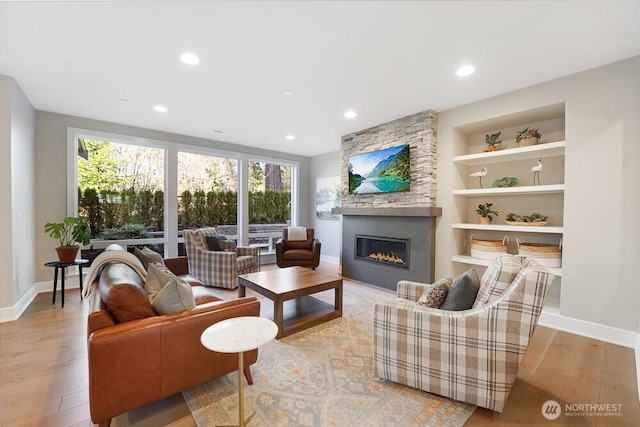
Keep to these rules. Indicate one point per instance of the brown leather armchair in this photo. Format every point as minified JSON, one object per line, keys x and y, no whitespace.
{"x":303,"y":253}
{"x":135,"y":362}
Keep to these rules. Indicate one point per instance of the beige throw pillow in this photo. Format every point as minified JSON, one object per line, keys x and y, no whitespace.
{"x":435,"y":294}
{"x":166,"y":292}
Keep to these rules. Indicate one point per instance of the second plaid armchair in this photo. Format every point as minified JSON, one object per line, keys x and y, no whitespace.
{"x":217,"y":268}
{"x":471,"y":355}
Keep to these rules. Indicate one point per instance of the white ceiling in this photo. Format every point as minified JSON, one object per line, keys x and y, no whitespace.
{"x":385,"y":60}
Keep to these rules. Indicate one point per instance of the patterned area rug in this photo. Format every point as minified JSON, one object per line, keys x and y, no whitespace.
{"x":323,"y":376}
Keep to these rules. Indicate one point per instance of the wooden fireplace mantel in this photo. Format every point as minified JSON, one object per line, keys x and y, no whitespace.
{"x":412,"y":211}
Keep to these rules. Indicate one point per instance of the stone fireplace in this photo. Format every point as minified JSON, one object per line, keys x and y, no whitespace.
{"x":391,"y":236}
{"x":373,"y":237}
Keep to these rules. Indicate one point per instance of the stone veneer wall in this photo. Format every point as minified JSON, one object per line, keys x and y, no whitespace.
{"x":420,"y":132}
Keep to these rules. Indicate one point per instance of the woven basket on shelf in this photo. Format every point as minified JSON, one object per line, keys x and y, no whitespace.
{"x":548,"y":255}
{"x":487,"y":249}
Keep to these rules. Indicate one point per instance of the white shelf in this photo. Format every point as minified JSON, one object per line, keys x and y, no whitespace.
{"x":506,"y":191}
{"x":549,"y":149}
{"x":464,"y":259}
{"x":513,"y":228}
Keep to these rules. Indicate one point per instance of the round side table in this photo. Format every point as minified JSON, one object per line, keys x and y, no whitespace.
{"x":237,"y":335}
{"x":63,"y":266}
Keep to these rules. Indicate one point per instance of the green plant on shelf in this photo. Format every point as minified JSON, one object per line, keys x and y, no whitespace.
{"x":527,"y":133}
{"x":534,"y":217}
{"x":485,"y":211}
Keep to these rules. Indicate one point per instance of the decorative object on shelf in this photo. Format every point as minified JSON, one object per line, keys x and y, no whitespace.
{"x":487,"y":249}
{"x":71,"y":232}
{"x":485,"y":212}
{"x":548,"y":255}
{"x":535,"y":219}
{"x":527,"y":136}
{"x":492,"y":140}
{"x":536,"y":171}
{"x":482,"y":172}
{"x":505,"y":181}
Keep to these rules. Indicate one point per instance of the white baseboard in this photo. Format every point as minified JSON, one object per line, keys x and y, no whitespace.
{"x":9,"y":314}
{"x":638,"y":364}
{"x":330,"y":259}
{"x":553,"y":319}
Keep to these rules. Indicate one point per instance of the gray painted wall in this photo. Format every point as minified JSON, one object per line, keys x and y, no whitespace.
{"x":17,"y":147}
{"x":329,"y":232}
{"x":51,"y":187}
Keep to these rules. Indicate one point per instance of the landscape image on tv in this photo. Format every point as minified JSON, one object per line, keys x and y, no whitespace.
{"x":382,"y":171}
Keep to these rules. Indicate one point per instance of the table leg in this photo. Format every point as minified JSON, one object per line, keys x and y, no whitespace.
{"x":338,"y":299}
{"x":64,"y":273}
{"x":241,"y":386}
{"x":278,"y":316}
{"x":242,"y":291}
{"x":80,"y":279}
{"x":55,"y":284}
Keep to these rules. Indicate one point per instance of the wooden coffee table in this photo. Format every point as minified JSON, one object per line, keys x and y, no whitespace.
{"x":284,"y":284}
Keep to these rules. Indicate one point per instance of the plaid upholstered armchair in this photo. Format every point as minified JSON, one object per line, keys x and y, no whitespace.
{"x":471,"y":355}
{"x":217,"y":268}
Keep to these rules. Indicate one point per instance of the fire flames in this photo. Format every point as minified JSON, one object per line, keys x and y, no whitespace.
{"x":390,"y":257}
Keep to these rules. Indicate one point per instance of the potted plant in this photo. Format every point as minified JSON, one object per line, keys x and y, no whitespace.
{"x":485,"y":212}
{"x":527,"y":136}
{"x":71,"y":232}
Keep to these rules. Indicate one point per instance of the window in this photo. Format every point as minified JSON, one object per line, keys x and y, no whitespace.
{"x":208,"y":192}
{"x":121,"y":190}
{"x":139,"y":191}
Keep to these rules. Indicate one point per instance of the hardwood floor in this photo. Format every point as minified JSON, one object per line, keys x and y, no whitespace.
{"x":43,"y":376}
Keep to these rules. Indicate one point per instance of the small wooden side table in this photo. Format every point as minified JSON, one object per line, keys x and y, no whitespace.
{"x":237,"y":335}
{"x":63,"y":266}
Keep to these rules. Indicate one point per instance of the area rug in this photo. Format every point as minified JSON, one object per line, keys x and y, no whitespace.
{"x":323,"y":377}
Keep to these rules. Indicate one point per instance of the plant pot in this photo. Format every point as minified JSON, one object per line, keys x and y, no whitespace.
{"x":525,"y":142}
{"x":483,"y":220}
{"x":67,"y":254}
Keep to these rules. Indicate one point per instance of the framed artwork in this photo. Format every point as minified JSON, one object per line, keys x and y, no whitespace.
{"x":327,"y":197}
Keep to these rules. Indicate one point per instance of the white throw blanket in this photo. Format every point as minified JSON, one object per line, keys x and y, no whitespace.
{"x":297,"y":233}
{"x":110,"y":257}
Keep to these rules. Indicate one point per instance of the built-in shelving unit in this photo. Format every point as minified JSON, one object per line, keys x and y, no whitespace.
{"x":465,"y":259}
{"x":507,"y":191}
{"x":550,"y":149}
{"x":509,"y":228}
{"x":525,"y":198}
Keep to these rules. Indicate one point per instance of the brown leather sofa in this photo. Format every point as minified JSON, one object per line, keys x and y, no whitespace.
{"x":135,"y":362}
{"x":303,"y":253}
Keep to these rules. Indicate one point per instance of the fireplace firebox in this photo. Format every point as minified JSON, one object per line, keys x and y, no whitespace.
{"x":387,"y":251}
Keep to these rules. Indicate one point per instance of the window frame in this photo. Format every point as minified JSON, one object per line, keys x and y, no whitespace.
{"x":171,"y":150}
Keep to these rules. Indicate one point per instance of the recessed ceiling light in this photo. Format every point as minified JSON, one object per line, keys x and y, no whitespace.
{"x":218,"y":131}
{"x":290,"y":137}
{"x":124,"y":101}
{"x":189,"y":58}
{"x":465,"y":70}
{"x":350,"y":114}
{"x":288,"y":92}
{"x":160,"y":108}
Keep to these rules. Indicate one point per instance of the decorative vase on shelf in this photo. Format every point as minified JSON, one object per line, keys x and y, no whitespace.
{"x":483,"y":220}
{"x":525,"y":142}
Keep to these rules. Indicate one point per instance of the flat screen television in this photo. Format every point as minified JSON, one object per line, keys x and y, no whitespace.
{"x":381,"y":171}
